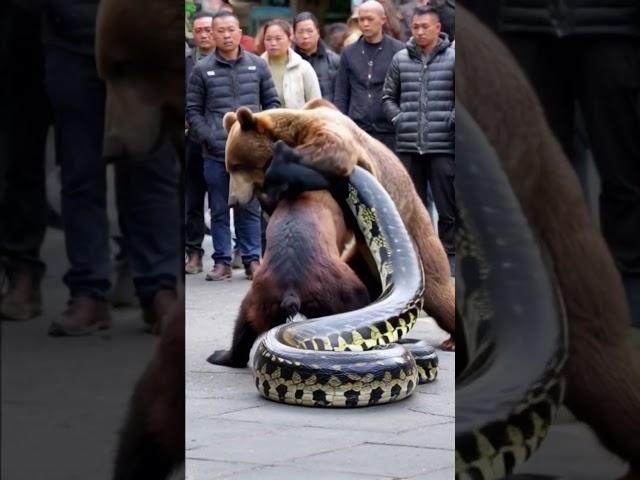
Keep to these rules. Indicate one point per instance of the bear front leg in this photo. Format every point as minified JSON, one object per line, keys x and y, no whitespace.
{"x":243,"y":337}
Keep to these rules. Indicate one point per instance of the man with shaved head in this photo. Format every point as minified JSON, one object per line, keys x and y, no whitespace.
{"x":363,"y":67}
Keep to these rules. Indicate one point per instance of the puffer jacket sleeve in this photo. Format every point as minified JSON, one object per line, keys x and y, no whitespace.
{"x":391,"y":91}
{"x":195,"y":109}
{"x":341,"y":96}
{"x":311,"y":83}
{"x":268,"y":93}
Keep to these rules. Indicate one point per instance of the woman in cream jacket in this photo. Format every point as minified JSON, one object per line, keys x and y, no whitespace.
{"x":295,"y":79}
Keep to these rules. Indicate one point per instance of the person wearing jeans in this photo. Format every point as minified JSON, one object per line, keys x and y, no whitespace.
{"x":224,"y":81}
{"x":246,"y":219}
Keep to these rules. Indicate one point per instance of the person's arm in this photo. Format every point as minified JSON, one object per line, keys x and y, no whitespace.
{"x":311,"y":83}
{"x":391,"y":91}
{"x":342,"y":93}
{"x":268,"y":93}
{"x":195,"y":109}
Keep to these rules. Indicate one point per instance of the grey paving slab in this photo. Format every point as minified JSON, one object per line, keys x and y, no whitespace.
{"x":275,"y":443}
{"x":64,"y":399}
{"x":292,"y":473}
{"x":378,"y":459}
{"x":200,"y":469}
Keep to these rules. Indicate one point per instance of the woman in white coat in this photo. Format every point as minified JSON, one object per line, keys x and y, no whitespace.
{"x":295,"y":79}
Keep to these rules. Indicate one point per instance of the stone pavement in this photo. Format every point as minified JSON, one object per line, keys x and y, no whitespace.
{"x":234,"y":433}
{"x":64,"y":399}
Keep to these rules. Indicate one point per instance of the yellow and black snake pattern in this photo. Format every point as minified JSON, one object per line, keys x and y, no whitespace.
{"x":356,"y":358}
{"x":512,"y":336}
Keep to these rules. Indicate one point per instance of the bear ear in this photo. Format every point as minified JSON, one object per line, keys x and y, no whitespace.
{"x":228,"y":120}
{"x":245,"y":118}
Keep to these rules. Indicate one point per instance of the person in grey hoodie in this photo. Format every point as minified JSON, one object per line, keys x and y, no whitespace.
{"x":419,"y":99}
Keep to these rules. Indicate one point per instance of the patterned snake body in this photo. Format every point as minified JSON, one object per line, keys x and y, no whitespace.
{"x":353,"y":359}
{"x":513,"y":324}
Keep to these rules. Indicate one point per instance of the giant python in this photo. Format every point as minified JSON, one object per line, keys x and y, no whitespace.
{"x":354,"y":359}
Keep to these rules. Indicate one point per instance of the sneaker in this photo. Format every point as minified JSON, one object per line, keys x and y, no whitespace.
{"x":193,"y":264}
{"x":219,"y":272}
{"x":251,"y":268}
{"x":83,"y":317}
{"x":22,"y":299}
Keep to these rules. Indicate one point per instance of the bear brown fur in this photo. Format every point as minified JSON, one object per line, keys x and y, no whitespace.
{"x":151,"y":444}
{"x":603,"y":371}
{"x":302,"y":272}
{"x":333,"y":144}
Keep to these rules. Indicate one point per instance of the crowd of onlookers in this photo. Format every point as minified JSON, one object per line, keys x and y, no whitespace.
{"x":54,"y":90}
{"x":390,"y":68}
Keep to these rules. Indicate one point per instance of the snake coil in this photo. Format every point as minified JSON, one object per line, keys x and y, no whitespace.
{"x":354,"y":359}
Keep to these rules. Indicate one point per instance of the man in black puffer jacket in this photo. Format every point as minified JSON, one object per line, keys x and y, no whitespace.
{"x":229,"y":78}
{"x":419,"y":99}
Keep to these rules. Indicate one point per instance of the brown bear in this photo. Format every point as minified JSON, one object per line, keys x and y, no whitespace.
{"x":151,"y":444}
{"x":302,"y":272}
{"x":603,"y":371}
{"x":333,"y":144}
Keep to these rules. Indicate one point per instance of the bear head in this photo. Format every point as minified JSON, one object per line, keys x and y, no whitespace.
{"x":251,"y":137}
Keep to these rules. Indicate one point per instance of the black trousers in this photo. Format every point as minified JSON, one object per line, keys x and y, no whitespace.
{"x":601,"y":75}
{"x":25,"y":117}
{"x":195,"y":191}
{"x":438,"y":170}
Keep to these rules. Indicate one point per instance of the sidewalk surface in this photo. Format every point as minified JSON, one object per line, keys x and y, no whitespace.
{"x":234,"y":433}
{"x":64,"y":399}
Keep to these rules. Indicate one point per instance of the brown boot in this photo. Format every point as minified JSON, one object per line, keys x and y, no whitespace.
{"x":193,"y":264}
{"x":23,"y":300}
{"x":84,"y":316}
{"x":154,"y":314}
{"x":219,"y":272}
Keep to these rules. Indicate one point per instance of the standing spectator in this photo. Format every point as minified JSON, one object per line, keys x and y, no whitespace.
{"x":294,"y":78}
{"x":394,"y":25}
{"x":224,"y":81}
{"x":363,"y":66}
{"x":195,"y":186}
{"x":419,"y":98}
{"x":446,"y":11}
{"x":311,"y":48}
{"x":23,"y":203}
{"x":246,"y":41}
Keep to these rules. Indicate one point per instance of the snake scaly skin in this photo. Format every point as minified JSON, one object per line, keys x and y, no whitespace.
{"x":354,"y":359}
{"x":513,"y":324}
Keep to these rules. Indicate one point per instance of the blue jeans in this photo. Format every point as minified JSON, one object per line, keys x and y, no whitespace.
{"x":77,"y":99}
{"x":146,"y":189}
{"x":147,"y":195}
{"x":246,"y":219}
